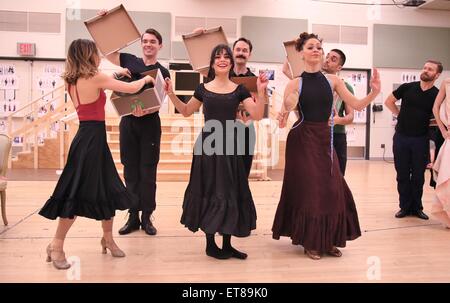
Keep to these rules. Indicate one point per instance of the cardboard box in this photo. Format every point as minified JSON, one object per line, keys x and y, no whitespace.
{"x":200,"y":45}
{"x":149,"y":99}
{"x":296,"y":64}
{"x":248,"y":82}
{"x":251,"y":84}
{"x":113,"y":31}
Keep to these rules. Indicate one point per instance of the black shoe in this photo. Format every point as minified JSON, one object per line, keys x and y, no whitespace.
{"x":236,"y":253}
{"x":401,"y":213}
{"x":218,"y":253}
{"x":148,"y":227}
{"x":420,"y":214}
{"x":132,"y":224}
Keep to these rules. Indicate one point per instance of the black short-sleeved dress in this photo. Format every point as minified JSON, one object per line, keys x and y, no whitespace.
{"x":218,"y":197}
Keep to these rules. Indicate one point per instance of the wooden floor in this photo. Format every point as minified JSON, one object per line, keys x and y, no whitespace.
{"x":391,"y":250}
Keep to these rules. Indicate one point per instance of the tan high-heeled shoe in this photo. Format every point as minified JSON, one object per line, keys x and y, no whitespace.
{"x":335,"y":252}
{"x":115,"y":252}
{"x":315,"y":255}
{"x":61,"y":262}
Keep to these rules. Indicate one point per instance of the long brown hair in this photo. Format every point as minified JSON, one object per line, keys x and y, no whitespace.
{"x":81,"y":60}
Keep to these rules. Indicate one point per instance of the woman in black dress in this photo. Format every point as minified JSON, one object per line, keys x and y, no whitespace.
{"x":218,"y":197}
{"x":89,"y":185}
{"x":316,"y":207}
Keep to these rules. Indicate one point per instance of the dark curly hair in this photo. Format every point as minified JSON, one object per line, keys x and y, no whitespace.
{"x":301,"y":40}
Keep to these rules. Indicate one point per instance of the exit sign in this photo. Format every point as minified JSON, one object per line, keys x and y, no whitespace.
{"x":26,"y":49}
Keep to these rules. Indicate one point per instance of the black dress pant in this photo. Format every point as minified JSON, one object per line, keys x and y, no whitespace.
{"x":411,"y":155}
{"x":140,"y":139}
{"x":340,"y":146}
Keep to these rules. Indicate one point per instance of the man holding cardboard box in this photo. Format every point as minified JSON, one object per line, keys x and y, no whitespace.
{"x":242,"y":50}
{"x":140,"y":137}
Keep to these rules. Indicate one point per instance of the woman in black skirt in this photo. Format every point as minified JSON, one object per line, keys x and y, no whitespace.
{"x":89,"y":185}
{"x":316,"y":207}
{"x":218,"y":197}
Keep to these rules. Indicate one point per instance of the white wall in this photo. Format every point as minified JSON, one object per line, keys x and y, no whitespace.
{"x":382,"y":131}
{"x":52,"y":45}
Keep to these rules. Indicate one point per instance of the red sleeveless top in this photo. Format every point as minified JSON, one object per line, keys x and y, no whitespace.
{"x":94,"y":111}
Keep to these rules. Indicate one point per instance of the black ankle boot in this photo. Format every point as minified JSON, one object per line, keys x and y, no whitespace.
{"x":132,"y":224}
{"x":213,"y":250}
{"x":228,"y":248}
{"x":147,"y":224}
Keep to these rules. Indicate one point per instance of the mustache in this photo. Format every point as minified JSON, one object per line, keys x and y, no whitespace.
{"x":241,"y":56}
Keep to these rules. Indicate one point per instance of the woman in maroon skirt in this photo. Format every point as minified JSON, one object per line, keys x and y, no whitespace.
{"x":316,"y":207}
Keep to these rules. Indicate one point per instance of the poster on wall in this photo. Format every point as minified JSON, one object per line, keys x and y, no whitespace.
{"x":407,"y":77}
{"x":358,"y":81}
{"x":47,"y":81}
{"x":9,"y":84}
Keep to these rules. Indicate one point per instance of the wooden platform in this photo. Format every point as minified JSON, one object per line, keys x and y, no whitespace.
{"x":395,"y":250}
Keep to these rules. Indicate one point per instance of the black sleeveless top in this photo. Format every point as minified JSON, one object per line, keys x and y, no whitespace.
{"x":316,"y":98}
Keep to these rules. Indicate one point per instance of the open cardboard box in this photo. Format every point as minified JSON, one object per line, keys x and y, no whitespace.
{"x":149,"y":99}
{"x":296,"y":64}
{"x":113,"y":31}
{"x":200,"y":45}
{"x":248,"y":82}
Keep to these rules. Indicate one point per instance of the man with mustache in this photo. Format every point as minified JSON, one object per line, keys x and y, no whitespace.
{"x":411,"y":142}
{"x":242,"y":50}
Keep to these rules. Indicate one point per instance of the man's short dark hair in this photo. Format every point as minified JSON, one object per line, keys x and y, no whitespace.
{"x":440,"y":67}
{"x":341,"y":54}
{"x":153,"y":32}
{"x":250,"y":46}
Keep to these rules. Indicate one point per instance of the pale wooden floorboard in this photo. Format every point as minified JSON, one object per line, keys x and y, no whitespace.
{"x":409,"y":249}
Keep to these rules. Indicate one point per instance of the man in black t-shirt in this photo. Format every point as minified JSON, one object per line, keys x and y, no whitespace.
{"x":411,"y":142}
{"x":242,"y":50}
{"x":140,"y":137}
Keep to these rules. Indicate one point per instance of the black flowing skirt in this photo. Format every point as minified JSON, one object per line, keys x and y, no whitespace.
{"x":89,"y":185}
{"x":218,"y":197}
{"x":316,"y":207}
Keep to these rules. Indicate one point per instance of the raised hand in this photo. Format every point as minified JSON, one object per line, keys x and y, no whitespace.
{"x":262,"y":82}
{"x":149,"y":79}
{"x":168,"y":88}
{"x":138,"y":111}
{"x":199,"y":30}
{"x":282,"y":119}
{"x":102,"y":12}
{"x":124,"y":72}
{"x":242,"y":115}
{"x":375,"y":83}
